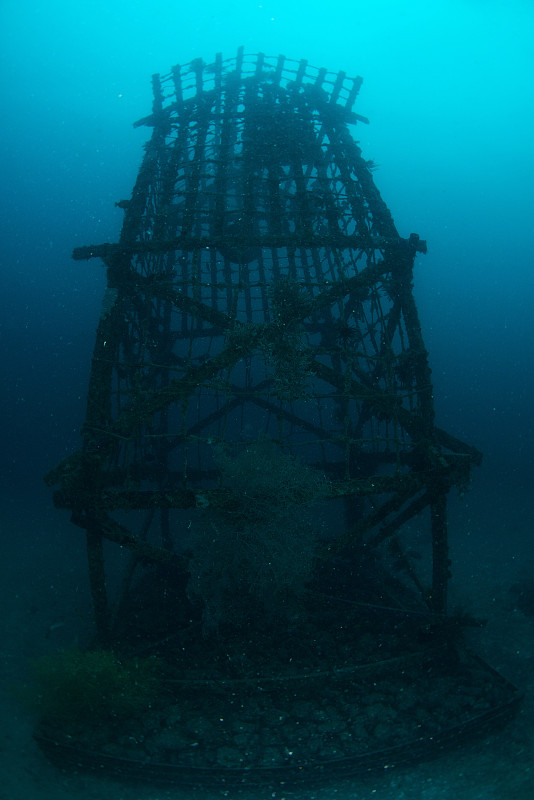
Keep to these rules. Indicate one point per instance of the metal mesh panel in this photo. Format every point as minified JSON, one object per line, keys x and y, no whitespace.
{"x":259,"y":289}
{"x":259,"y":436}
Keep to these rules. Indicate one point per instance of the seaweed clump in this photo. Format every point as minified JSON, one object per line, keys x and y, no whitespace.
{"x":79,"y":688}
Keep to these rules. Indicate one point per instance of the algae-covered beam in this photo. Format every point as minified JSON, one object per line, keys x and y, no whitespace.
{"x":340,"y":241}
{"x":103,"y":526}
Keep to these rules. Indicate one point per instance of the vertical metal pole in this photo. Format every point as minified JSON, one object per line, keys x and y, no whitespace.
{"x":97,"y":580}
{"x":440,"y":552}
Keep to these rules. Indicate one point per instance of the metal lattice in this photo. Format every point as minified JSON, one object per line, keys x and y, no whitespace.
{"x":259,"y":289}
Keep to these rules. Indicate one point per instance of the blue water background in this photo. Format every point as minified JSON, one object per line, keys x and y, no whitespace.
{"x":448,"y":88}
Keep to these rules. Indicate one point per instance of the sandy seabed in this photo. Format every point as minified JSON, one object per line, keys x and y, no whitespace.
{"x":39,"y":615}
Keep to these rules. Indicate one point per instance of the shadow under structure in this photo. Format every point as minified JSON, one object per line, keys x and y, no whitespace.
{"x":261,"y":482}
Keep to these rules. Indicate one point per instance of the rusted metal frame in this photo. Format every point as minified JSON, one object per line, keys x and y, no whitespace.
{"x":228,"y":64}
{"x":226,"y":156}
{"x":167,"y":188}
{"x":318,"y":162}
{"x":127,"y":359}
{"x":240,"y":397}
{"x":276,"y":269}
{"x":124,"y":594}
{"x":321,"y":75}
{"x":393,"y":324}
{"x":347,"y":367}
{"x":334,"y":266}
{"x":189,"y":305}
{"x":157,"y":103}
{"x":239,"y":61}
{"x":197,"y":66}
{"x":303,"y":224}
{"x":415,"y":507}
{"x":258,"y":72}
{"x":293,"y":419}
{"x":403,"y":258}
{"x":180,"y":389}
{"x":189,"y":218}
{"x":235,"y":292}
{"x":355,"y":284}
{"x":214,"y":280}
{"x":177,"y":164}
{"x":353,"y":93}
{"x":163,"y":427}
{"x":326,"y":313}
{"x":338,"y":134}
{"x":292,"y":272}
{"x":177,"y":81}
{"x":366,"y":412}
{"x":397,"y":552}
{"x":393,"y":319}
{"x":230,"y":286}
{"x":362,"y":375}
{"x":195,"y":324}
{"x":183,"y":387}
{"x":457,"y":447}
{"x":290,"y":71}
{"x":228,"y":133}
{"x":440,"y":549}
{"x":204,"y":333}
{"x":266,"y":312}
{"x":103,"y":526}
{"x":383,"y":404}
{"x":322,"y":163}
{"x":248,"y":187}
{"x":389,"y":531}
{"x":133,"y":220}
{"x":354,"y":302}
{"x":369,"y":322}
{"x":341,"y":242}
{"x":274,"y":218}
{"x":382,"y":219}
{"x":247,"y":382}
{"x":98,"y":413}
{"x":230,"y":404}
{"x":223,"y":421}
{"x":180,"y":498}
{"x":218,"y":79}
{"x":301,"y":72}
{"x":325,"y":310}
{"x":161,"y":309}
{"x":198,"y":309}
{"x":218,"y":319}
{"x":404,"y":347}
{"x":306,"y":279}
{"x":97,"y":582}
{"x":342,"y":363}
{"x":128,"y":499}
{"x":185,"y":277}
{"x":382,"y":345}
{"x":195,"y":287}
{"x":245,"y":288}
{"x":279,"y":69}
{"x":422,"y":372}
{"x":338,"y":85}
{"x":403,"y":488}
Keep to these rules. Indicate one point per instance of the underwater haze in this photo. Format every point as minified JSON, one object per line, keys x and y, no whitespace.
{"x":448,"y":87}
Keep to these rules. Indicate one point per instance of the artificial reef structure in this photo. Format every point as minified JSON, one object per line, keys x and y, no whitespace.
{"x":262,"y":483}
